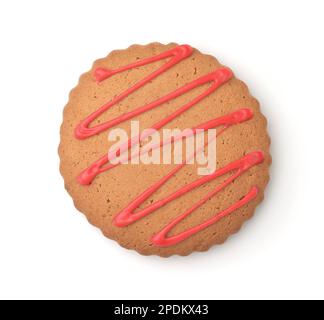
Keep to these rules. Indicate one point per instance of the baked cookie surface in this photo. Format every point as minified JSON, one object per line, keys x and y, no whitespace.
{"x":164,"y":209}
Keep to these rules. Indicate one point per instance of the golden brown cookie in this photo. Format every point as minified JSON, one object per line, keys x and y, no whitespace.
{"x":164,"y":209}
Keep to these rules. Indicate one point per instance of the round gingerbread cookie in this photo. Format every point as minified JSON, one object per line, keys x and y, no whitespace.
{"x":163,"y":208}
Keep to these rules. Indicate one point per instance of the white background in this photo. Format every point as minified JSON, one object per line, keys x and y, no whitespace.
{"x":48,"y":250}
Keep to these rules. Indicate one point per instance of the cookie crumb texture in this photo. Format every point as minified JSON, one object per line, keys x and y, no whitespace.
{"x":112,"y":191}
